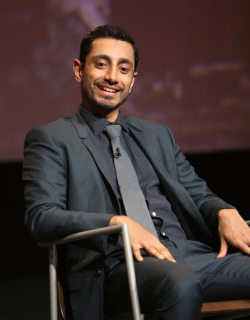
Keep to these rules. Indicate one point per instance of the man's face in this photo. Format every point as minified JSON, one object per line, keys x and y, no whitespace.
{"x":107,"y":77}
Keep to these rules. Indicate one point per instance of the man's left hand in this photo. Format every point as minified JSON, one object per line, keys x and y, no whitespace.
{"x":233,"y":231}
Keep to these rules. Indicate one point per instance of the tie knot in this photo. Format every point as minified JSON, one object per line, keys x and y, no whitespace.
{"x":114,"y":130}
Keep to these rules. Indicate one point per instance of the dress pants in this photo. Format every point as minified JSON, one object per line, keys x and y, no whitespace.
{"x":177,"y":290}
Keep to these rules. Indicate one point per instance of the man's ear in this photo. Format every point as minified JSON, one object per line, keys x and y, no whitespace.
{"x":133,"y":81}
{"x":77,"y":69}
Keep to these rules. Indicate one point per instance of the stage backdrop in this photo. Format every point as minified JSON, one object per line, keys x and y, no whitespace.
{"x":193,"y":69}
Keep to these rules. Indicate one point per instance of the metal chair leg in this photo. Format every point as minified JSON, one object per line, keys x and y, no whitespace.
{"x":131,"y":273}
{"x":53,"y":283}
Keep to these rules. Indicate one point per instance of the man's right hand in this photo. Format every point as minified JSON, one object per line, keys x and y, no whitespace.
{"x":140,"y":238}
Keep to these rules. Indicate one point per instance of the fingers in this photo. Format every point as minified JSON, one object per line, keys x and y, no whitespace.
{"x":242,"y":246}
{"x":233,"y":231}
{"x":223,"y":248}
{"x":162,"y":253}
{"x":142,"y":239}
{"x":153,"y":248}
{"x":169,"y":257}
{"x":137,"y":254}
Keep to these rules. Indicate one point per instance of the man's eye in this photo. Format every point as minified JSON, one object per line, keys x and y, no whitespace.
{"x":100,"y":64}
{"x":124,"y":70}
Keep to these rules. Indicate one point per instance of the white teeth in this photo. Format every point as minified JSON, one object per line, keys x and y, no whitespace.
{"x":109,"y":90}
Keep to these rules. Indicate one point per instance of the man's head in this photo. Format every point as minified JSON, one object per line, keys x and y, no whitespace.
{"x":106,"y":31}
{"x":106,"y":70}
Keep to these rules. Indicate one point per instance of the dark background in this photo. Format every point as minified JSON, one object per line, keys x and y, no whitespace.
{"x":193,"y":75}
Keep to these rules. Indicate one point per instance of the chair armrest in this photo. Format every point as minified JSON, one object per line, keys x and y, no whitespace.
{"x":83,"y":235}
{"x":123,"y":229}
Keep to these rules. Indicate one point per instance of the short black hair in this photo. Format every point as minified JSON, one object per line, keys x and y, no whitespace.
{"x":106,"y":31}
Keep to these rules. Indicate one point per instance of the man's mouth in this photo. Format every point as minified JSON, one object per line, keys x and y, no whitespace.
{"x":109,"y":89}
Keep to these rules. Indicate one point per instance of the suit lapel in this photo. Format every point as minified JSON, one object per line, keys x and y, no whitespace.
{"x":151,"y":151}
{"x":94,"y":147}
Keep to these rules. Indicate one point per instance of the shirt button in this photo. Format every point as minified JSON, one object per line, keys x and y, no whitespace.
{"x":153,"y":214}
{"x":98,"y":273}
{"x":163,"y":234}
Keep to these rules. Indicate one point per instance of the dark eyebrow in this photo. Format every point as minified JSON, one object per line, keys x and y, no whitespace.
{"x":124,"y":60}
{"x":105,"y":57}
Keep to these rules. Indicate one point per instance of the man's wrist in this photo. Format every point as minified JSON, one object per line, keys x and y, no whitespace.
{"x":224,"y":212}
{"x":116,"y":219}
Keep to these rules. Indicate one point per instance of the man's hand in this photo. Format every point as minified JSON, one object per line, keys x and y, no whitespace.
{"x":233,"y":231}
{"x":140,"y":238}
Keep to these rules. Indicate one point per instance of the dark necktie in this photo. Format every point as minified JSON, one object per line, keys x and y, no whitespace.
{"x":132,"y":196}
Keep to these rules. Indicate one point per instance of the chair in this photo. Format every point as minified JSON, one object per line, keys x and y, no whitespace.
{"x":227,"y":310}
{"x":123,"y":229}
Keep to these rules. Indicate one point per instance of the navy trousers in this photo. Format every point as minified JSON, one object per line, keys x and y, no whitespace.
{"x":177,"y":290}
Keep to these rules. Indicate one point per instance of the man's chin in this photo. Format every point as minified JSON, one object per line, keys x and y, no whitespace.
{"x":104,"y":105}
{"x":107,"y":107}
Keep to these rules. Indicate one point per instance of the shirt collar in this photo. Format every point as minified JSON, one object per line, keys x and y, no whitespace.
{"x":97,"y":124}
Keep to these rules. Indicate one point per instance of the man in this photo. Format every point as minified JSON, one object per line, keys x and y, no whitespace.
{"x":71,"y":185}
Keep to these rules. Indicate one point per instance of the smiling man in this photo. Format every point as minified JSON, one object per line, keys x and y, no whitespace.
{"x":74,"y":173}
{"x":107,"y":77}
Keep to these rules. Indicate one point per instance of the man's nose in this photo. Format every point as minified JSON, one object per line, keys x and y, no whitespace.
{"x":111,"y":75}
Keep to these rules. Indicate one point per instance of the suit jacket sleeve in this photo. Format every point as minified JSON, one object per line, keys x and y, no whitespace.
{"x":45,"y":177}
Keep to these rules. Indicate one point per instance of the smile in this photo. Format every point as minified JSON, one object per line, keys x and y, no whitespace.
{"x":109,"y":90}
